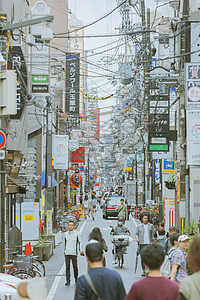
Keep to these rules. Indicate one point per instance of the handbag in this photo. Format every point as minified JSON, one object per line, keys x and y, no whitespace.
{"x":91,"y":284}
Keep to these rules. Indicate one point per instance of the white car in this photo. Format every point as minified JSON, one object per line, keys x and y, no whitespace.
{"x":8,"y":286}
{"x":36,"y":288}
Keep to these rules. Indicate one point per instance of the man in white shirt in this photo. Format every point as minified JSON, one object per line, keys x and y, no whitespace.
{"x":144,"y":235}
{"x":72,"y":242}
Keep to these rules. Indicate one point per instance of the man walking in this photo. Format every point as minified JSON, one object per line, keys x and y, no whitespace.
{"x":178,"y":259}
{"x":122,"y":210}
{"x":144,"y":235}
{"x":72,"y":243}
{"x":99,"y":282}
{"x":154,"y":286}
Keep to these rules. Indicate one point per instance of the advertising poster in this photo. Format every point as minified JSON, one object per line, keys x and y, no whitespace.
{"x":60,"y":144}
{"x":30,"y":221}
{"x":193,"y":137}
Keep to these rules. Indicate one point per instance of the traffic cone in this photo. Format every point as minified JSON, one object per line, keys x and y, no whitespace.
{"x":26,"y":250}
{"x":30,"y":249}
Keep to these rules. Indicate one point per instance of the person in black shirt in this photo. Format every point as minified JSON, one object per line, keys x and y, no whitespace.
{"x":107,"y":283}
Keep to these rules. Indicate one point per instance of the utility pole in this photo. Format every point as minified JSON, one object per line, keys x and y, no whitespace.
{"x":48,"y":167}
{"x":2,"y":202}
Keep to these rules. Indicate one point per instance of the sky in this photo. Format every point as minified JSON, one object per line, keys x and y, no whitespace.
{"x":88,"y":11}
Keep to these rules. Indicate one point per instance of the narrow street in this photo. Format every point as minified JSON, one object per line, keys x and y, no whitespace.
{"x":55,"y":267}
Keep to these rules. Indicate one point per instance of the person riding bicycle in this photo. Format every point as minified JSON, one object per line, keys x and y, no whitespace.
{"x":117,"y":230}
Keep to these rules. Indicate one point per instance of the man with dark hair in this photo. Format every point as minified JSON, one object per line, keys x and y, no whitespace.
{"x":154,"y":286}
{"x":167,"y":245}
{"x":122,"y":210}
{"x":99,"y":282}
{"x":144,"y":235}
{"x":72,"y":241}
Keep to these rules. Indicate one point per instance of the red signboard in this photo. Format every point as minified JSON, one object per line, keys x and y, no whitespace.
{"x":78,"y":155}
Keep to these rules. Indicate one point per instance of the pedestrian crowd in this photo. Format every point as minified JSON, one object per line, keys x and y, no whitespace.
{"x":164,"y":259}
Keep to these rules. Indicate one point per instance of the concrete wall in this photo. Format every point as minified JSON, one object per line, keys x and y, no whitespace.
{"x":59,"y":9}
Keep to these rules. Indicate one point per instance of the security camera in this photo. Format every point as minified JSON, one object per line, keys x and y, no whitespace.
{"x":15,"y":165}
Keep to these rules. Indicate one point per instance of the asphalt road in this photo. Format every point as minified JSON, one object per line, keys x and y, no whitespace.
{"x":55,"y":267}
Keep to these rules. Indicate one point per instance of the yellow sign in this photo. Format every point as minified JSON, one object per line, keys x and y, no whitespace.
{"x":29,"y":218}
{"x":43,"y":201}
{"x":178,"y":186}
{"x":128,"y":169}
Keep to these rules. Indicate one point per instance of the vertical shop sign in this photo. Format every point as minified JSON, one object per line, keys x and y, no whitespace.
{"x":192,"y":85}
{"x":178,"y":186}
{"x":72,"y":83}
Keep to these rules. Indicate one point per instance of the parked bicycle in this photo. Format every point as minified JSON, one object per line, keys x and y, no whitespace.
{"x":63,"y":219}
{"x":24,"y":267}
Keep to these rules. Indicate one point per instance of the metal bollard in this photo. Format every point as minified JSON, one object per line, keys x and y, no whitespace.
{"x":8,"y":297}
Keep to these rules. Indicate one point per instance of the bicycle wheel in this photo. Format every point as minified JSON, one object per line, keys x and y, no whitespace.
{"x":39,"y":266}
{"x":22,"y":274}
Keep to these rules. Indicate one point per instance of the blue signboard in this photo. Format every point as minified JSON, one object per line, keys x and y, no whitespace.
{"x":157,"y":170}
{"x":168,"y":166}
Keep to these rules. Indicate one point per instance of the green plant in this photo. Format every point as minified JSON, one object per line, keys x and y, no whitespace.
{"x":191,"y":229}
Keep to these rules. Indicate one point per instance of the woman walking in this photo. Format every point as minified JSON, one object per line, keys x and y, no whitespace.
{"x":93,"y":206}
{"x":96,"y":234}
{"x":85,"y":207}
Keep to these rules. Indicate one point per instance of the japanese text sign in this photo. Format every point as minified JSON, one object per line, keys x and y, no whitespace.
{"x":192,"y":85}
{"x":72,"y":83}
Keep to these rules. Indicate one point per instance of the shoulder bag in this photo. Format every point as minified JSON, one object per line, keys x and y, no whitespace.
{"x":91,"y":284}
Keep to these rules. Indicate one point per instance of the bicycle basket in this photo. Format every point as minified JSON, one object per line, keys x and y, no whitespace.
{"x":23,"y":261}
{"x":121,"y":240}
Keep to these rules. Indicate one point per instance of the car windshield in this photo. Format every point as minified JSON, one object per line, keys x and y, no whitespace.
{"x":113,"y":200}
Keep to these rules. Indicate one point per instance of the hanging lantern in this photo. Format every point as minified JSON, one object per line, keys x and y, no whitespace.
{"x":76,"y":179}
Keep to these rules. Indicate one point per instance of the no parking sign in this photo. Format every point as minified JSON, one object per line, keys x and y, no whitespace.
{"x":2,"y":139}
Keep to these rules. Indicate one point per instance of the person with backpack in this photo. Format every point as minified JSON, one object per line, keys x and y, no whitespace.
{"x":160,"y":235}
{"x":178,"y":259}
{"x":154,"y":286}
{"x":167,"y":245}
{"x":166,"y":266}
{"x":86,"y":207}
{"x":99,"y":283}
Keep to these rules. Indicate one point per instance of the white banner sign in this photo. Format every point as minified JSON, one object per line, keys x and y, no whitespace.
{"x":30,"y":221}
{"x":193,"y":137}
{"x":60,"y":144}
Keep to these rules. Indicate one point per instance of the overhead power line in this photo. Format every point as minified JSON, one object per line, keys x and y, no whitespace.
{"x":94,"y":22}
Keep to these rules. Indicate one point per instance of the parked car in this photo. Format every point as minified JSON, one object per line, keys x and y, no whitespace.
{"x":110,"y":205}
